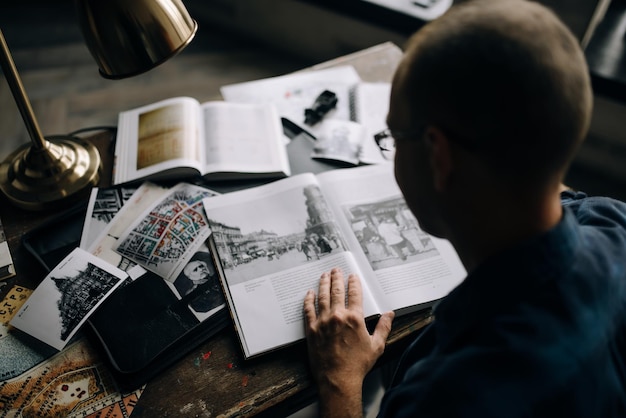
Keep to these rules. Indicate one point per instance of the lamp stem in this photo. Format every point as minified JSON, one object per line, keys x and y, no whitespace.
{"x":19,"y":94}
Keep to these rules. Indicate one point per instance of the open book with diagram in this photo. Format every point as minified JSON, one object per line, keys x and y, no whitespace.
{"x":275,"y":240}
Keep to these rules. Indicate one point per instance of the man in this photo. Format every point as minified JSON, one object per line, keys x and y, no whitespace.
{"x":389,"y":231}
{"x":488,"y":107}
{"x":199,"y":272}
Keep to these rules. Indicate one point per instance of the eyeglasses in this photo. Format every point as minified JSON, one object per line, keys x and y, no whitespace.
{"x":386,"y":140}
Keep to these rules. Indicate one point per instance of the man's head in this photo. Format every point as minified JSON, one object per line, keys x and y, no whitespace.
{"x":505,"y":84}
{"x":199,"y":267}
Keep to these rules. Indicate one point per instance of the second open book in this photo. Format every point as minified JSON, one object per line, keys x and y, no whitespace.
{"x":180,"y":137}
{"x":274,"y":241}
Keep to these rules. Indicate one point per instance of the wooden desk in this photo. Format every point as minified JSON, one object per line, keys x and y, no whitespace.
{"x":214,"y":380}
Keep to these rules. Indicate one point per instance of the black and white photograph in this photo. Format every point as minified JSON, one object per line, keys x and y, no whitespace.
{"x":66,"y":297}
{"x":104,"y":204}
{"x":389,"y":233}
{"x":339,"y":141}
{"x":274,"y":240}
{"x":199,"y":285}
{"x":6,"y":262}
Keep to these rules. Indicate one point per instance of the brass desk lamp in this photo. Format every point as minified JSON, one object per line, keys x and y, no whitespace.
{"x":126,"y":38}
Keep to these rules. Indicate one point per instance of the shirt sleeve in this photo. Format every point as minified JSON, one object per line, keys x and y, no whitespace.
{"x":602,"y":221}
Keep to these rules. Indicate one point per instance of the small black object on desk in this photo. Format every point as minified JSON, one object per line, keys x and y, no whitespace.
{"x":326,"y":101}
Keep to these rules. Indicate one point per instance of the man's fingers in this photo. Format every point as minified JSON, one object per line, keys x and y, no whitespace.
{"x":323,"y":295}
{"x":332,"y":295}
{"x":355,"y":293}
{"x":337,"y":288}
{"x":309,"y":308}
{"x":383,"y":328}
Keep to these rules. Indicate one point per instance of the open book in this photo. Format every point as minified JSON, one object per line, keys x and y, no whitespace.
{"x":179,"y":137}
{"x":275,"y":240}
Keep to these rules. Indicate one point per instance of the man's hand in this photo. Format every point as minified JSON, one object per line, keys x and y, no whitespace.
{"x":341,"y":350}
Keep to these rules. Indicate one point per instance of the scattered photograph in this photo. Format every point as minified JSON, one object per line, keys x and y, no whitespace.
{"x":198,"y":284}
{"x":104,"y":204}
{"x":66,"y":297}
{"x":169,"y":232}
{"x":6,"y":262}
{"x":339,"y":141}
{"x":389,"y":233}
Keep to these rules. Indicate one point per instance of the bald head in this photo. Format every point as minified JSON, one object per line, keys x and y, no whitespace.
{"x":504,"y":78}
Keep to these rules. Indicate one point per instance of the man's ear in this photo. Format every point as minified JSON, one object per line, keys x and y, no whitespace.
{"x":440,"y":157}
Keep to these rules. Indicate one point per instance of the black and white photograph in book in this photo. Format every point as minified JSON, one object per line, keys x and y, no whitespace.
{"x":274,"y":240}
{"x":389,"y":233}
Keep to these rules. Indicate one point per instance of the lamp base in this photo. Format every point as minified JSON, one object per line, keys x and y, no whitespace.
{"x":53,"y":177}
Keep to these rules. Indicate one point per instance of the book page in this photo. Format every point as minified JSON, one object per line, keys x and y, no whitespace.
{"x":159,"y":138}
{"x":274,"y":242}
{"x":370,"y":105}
{"x":293,"y":93}
{"x":407,"y":267}
{"x":269,"y":309}
{"x":244,"y":138}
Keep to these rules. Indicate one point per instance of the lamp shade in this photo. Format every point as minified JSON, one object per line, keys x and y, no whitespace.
{"x":129,"y":37}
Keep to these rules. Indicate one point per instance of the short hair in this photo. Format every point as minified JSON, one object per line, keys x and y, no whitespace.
{"x":506,"y":77}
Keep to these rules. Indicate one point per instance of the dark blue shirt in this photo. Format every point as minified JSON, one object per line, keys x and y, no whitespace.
{"x":538,"y":331}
